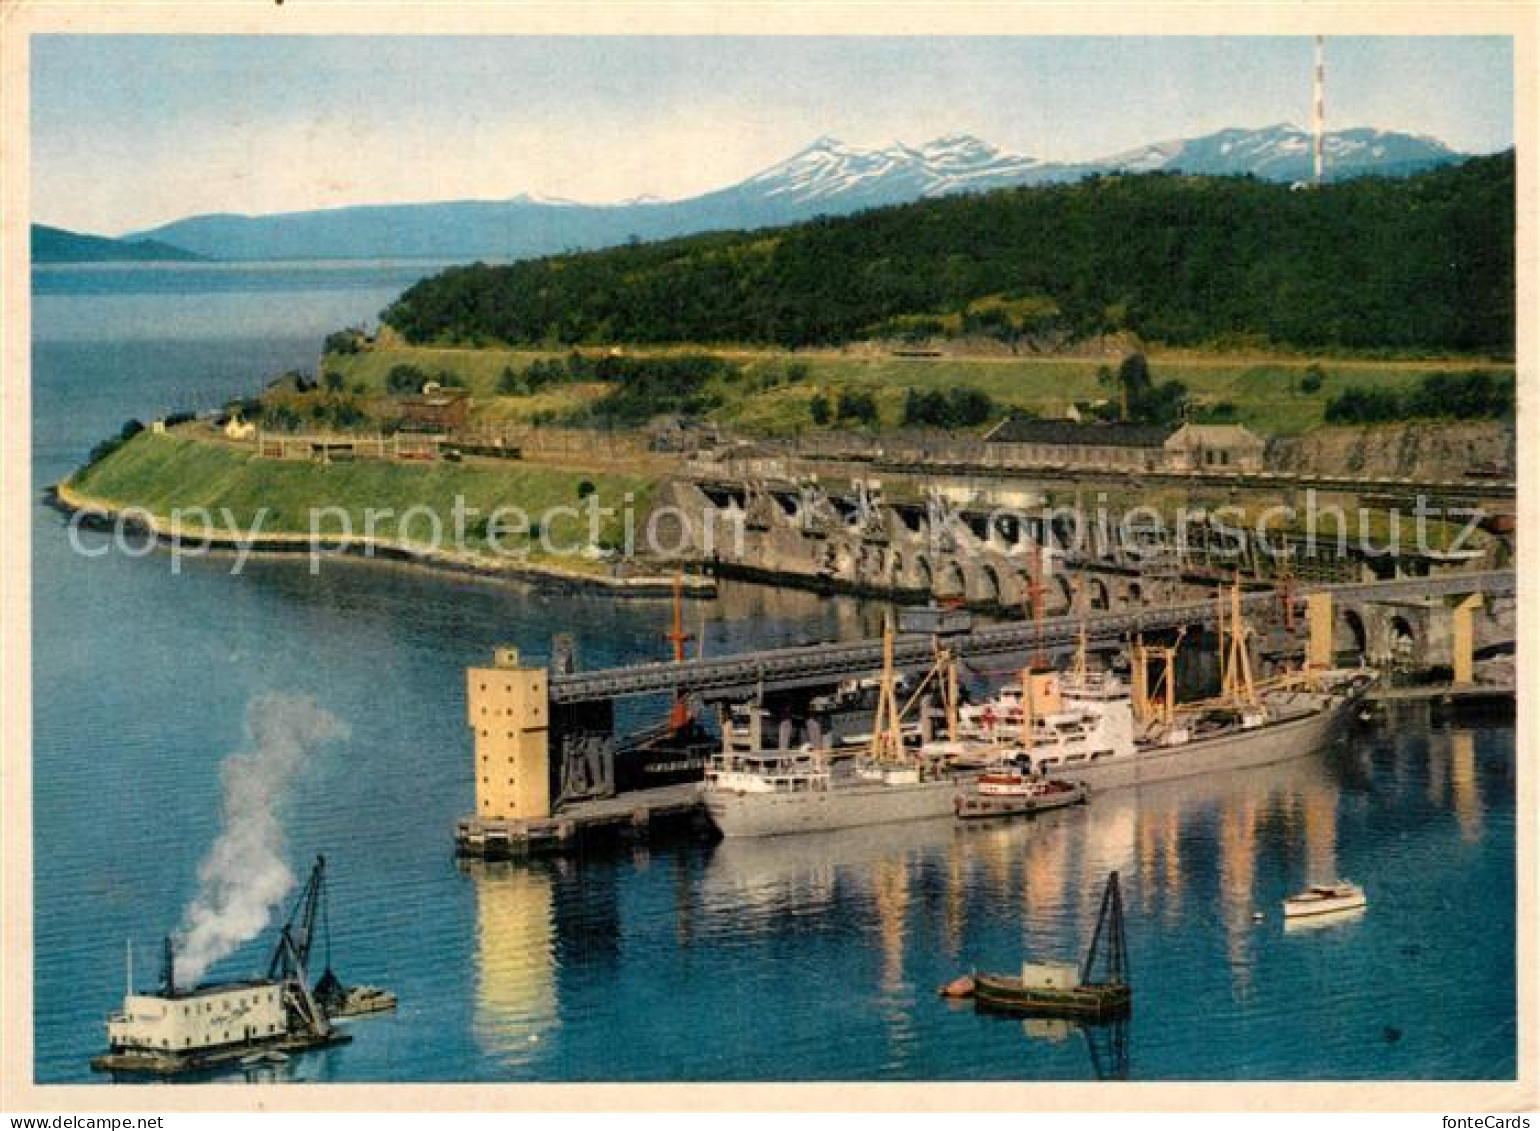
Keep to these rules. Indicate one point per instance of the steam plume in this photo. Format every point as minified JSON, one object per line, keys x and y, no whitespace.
{"x":244,"y":878}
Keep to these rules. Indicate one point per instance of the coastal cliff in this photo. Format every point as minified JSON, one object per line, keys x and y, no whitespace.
{"x":1424,"y":450}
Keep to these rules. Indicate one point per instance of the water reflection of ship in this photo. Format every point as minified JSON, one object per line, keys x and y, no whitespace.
{"x":1148,"y":831}
{"x":1106,"y":1042}
{"x":1301,"y":793}
{"x":806,"y":870}
{"x":1139,"y":831}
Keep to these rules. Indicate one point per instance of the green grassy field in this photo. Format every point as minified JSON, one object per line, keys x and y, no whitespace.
{"x":167,"y":473}
{"x":1265,"y":391}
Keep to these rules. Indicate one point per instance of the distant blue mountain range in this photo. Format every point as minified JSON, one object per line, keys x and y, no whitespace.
{"x":827,"y":177}
{"x":56,"y":245}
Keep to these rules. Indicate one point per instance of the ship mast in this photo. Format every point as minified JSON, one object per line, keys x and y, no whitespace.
{"x":1036,"y":661}
{"x":1235,"y":668}
{"x":1109,"y":932}
{"x":1165,"y":683}
{"x":1034,"y":596}
{"x":949,"y":690}
{"x":1221,"y":642}
{"x":679,"y":713}
{"x":1138,"y":675}
{"x":1078,"y":672}
{"x":887,"y":737}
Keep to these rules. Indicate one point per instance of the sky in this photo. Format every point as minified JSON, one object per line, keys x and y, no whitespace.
{"x":129,"y":132}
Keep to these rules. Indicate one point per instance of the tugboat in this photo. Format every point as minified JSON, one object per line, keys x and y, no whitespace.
{"x":1009,"y":792}
{"x":1060,"y":989}
{"x":180,"y":1030}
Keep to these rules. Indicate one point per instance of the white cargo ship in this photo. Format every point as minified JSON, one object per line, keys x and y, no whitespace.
{"x":1082,"y":726}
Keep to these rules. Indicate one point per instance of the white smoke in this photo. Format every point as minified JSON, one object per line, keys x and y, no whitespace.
{"x":244,"y":878}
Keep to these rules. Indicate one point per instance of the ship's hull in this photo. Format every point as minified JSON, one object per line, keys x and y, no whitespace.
{"x":1235,"y":750}
{"x":855,"y":805}
{"x":169,"y":1062}
{"x":1010,"y":995}
{"x":843,"y":807}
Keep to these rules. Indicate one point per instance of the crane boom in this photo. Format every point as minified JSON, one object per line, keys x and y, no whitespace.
{"x":291,"y":957}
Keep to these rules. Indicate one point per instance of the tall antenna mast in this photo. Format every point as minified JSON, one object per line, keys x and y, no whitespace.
{"x":1318,"y":110}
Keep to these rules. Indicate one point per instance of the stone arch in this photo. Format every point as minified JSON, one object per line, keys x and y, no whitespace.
{"x":1135,"y":594}
{"x":1350,"y":636}
{"x":1097,"y":596}
{"x":845,"y":559}
{"x":951,"y":581}
{"x":924,"y":578}
{"x":1059,"y":587}
{"x":986,"y":585}
{"x":874,"y":564}
{"x":1401,"y":638}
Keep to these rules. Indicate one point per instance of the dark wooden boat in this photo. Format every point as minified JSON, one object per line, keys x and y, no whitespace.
{"x":1096,"y":990}
{"x":1028,"y":995}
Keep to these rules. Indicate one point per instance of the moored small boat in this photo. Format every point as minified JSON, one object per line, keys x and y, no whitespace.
{"x":1011,"y":794}
{"x":1065,"y":989}
{"x":1050,"y":989}
{"x":1325,"y":899}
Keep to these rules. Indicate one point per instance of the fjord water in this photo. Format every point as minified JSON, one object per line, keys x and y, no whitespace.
{"x":803,"y":958}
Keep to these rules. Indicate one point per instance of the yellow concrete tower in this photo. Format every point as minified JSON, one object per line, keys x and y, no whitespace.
{"x":508,"y":713}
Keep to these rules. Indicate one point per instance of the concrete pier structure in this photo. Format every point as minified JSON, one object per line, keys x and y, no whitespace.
{"x":508,"y":711}
{"x":538,"y":737}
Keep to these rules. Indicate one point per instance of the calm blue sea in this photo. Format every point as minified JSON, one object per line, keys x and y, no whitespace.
{"x":810,"y":958}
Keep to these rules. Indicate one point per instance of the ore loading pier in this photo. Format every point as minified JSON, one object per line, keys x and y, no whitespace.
{"x":550,"y":770}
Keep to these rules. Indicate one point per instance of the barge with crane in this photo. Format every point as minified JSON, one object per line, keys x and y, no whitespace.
{"x":179,"y":1030}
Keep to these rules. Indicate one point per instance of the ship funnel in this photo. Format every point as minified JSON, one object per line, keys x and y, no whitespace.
{"x":168,"y":970}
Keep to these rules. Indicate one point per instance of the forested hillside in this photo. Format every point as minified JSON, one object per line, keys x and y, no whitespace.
{"x":1421,"y":264}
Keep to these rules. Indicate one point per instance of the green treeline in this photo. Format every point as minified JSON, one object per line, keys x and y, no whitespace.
{"x":1420,"y":264}
{"x":639,"y":387}
{"x":1477,"y":395}
{"x":961,"y":406}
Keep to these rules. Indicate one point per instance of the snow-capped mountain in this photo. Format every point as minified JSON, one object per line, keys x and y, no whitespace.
{"x":827,"y":177}
{"x":830,"y":170}
{"x":1283,"y":153}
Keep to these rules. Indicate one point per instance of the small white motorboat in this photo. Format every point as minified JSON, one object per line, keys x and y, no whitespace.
{"x":1325,"y":899}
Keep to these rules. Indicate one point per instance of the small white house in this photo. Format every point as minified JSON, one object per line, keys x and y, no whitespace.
{"x":238,"y":429}
{"x":1215,"y":447}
